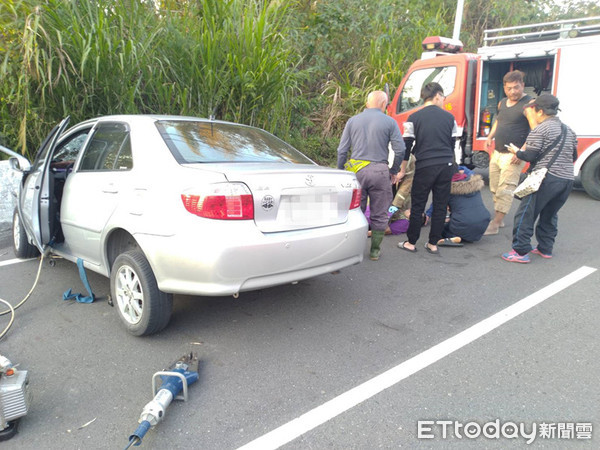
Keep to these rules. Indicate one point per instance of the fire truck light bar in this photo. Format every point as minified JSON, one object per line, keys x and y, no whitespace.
{"x":442,"y":44}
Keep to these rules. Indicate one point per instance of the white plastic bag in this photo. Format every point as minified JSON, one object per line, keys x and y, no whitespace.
{"x":531,"y":184}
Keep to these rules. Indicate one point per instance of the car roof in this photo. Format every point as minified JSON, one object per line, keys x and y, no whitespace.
{"x":139,"y":118}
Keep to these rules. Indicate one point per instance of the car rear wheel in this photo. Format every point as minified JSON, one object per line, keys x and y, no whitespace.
{"x":142,"y":307}
{"x":21,"y":246}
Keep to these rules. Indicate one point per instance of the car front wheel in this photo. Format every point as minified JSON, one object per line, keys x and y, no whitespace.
{"x":142,"y":307}
{"x":21,"y":246}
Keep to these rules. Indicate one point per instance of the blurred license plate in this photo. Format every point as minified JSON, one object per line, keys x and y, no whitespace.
{"x":313,"y":208}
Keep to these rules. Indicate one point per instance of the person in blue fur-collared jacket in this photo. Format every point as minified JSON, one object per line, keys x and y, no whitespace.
{"x":468,"y":216}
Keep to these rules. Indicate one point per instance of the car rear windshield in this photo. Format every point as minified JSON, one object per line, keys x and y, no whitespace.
{"x":213,"y":142}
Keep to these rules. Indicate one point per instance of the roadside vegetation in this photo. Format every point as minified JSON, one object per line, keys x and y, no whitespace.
{"x":298,"y":68}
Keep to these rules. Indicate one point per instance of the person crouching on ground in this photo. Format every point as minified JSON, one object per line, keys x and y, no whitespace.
{"x":469,"y":217}
{"x":549,"y":138}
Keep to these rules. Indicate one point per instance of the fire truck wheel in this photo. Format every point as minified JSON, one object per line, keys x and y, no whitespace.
{"x":481,"y":159}
{"x":590,"y":176}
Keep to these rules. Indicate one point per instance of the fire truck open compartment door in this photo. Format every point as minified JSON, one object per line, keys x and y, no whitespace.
{"x":539,"y":79}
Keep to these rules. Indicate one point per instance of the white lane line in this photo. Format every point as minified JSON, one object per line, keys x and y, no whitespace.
{"x":327,"y":411}
{"x":9,"y":262}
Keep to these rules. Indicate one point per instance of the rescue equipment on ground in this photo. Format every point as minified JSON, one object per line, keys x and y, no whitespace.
{"x":80,"y":298}
{"x":176,"y":379}
{"x":15,"y":397}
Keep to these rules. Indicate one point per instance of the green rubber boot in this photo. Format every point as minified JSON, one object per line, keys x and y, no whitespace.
{"x":376,"y":238}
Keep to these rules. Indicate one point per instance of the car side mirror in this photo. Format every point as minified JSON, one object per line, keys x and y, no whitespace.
{"x":16,"y":161}
{"x":19,"y":164}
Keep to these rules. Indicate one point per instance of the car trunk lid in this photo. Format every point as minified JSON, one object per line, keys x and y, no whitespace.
{"x":293,"y":197}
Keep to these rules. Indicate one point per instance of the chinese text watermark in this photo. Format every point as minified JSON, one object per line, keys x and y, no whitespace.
{"x":453,"y":429}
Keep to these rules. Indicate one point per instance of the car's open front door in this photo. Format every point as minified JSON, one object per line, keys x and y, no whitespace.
{"x":38,"y":207}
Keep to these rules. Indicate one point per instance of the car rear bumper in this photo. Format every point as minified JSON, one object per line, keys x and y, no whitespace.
{"x":205,"y":263}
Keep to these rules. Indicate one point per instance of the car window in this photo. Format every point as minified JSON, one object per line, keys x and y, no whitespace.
{"x":210,"y":142}
{"x":42,"y":152}
{"x":68,"y":149}
{"x":109,"y":149}
{"x":119,"y":156}
{"x":410,"y":97}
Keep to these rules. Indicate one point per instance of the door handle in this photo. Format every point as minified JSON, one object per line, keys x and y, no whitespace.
{"x":110,"y":189}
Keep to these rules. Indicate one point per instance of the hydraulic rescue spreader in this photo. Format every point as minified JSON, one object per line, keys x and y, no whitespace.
{"x":176,"y":379}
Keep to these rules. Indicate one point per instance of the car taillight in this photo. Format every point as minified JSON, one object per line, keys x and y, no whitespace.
{"x":355,"y":203}
{"x":225,"y":201}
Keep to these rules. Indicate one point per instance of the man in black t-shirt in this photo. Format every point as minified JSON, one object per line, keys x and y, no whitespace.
{"x":432,"y":131}
{"x":510,"y":127}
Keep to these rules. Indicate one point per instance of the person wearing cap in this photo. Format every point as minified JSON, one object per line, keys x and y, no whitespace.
{"x":550,"y":136}
{"x":369,"y":134}
{"x":511,"y":126}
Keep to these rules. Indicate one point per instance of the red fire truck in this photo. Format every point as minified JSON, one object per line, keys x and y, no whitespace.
{"x":561,"y":58}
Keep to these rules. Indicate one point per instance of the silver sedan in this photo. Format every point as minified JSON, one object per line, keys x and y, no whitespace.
{"x":179,"y":205}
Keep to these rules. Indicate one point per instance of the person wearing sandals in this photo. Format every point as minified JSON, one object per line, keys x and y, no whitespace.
{"x":432,"y":131}
{"x":369,"y":134}
{"x":553,"y":145}
{"x":468,"y":217}
{"x":511,"y":125}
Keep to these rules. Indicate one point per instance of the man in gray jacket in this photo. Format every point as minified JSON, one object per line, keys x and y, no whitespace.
{"x":369,"y":135}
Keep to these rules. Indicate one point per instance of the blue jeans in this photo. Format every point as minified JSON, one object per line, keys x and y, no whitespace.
{"x":541,"y":206}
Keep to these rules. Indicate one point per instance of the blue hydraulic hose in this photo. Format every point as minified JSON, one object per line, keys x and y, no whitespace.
{"x":139,"y":433}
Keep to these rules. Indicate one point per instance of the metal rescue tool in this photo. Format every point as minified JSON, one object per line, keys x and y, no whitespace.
{"x":15,"y":397}
{"x":176,"y":379}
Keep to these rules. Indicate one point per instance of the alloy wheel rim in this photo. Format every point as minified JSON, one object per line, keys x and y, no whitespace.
{"x":130,"y":295}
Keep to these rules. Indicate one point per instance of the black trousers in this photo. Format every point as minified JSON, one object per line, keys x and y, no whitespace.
{"x":437,"y":180}
{"x":541,"y":206}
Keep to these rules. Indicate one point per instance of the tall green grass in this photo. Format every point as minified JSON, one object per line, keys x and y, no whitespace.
{"x":299,"y":68}
{"x":225,"y":58}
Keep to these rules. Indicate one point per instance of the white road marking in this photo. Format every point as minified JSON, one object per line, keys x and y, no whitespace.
{"x":9,"y":262}
{"x":327,"y":411}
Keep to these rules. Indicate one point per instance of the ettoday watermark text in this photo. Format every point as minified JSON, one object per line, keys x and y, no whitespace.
{"x":529,"y":432}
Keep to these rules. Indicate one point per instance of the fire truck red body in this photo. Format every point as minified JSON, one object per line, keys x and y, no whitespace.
{"x":561,"y":58}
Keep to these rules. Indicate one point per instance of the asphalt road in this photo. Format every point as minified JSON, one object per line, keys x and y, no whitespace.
{"x":292,"y":356}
